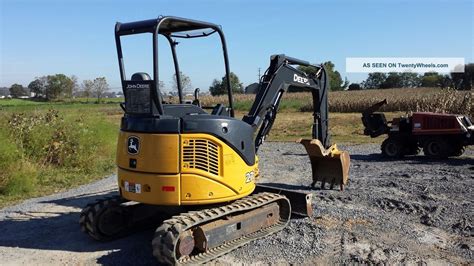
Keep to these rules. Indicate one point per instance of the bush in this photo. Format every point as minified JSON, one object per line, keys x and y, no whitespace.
{"x":22,"y":181}
{"x":53,"y":150}
{"x":47,"y":138}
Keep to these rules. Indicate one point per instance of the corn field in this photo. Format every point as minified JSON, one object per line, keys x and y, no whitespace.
{"x":415,"y":100}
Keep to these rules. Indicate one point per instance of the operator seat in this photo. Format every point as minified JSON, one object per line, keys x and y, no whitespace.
{"x":140,"y":76}
{"x":181,"y":110}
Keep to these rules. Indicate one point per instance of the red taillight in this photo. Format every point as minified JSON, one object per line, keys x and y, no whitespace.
{"x":167,"y":188}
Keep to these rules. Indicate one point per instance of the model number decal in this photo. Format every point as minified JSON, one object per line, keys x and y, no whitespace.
{"x":249,"y":176}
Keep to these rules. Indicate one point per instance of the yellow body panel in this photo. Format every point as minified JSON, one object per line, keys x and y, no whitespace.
{"x":183,"y":169}
{"x":152,"y":185}
{"x":201,"y":190}
{"x":157,"y":153}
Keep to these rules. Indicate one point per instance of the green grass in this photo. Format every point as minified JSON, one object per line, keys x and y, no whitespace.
{"x":19,"y":102}
{"x":67,"y":102}
{"x":47,"y":156}
{"x":344,"y":128}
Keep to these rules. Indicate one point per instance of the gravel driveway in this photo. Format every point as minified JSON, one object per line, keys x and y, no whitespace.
{"x":400,"y":211}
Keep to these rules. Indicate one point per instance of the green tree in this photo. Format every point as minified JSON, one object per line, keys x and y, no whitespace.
{"x":59,"y":86}
{"x":86,"y":88}
{"x":409,"y":80}
{"x":220,"y":87}
{"x":446,"y":81}
{"x":17,"y":90}
{"x":355,"y":87}
{"x":393,"y":80}
{"x":432,"y":79}
{"x":100,"y":87}
{"x":335,"y":79}
{"x":374,"y":80}
{"x":38,"y":86}
{"x":216,"y":88}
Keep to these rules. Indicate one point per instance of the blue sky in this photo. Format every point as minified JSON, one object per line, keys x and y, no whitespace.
{"x":76,"y":37}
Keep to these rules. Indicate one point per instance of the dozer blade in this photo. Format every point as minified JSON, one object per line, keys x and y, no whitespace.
{"x":328,"y":165}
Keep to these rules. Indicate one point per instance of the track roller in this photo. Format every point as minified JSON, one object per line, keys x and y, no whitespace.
{"x":200,"y":236}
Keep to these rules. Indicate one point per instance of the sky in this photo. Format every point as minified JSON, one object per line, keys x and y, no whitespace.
{"x":44,"y":37}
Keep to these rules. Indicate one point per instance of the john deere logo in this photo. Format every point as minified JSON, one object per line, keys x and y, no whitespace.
{"x":133,"y":145}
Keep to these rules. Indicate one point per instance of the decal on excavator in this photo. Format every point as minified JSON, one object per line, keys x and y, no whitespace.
{"x":133,"y":145}
{"x":249,"y":176}
{"x":300,"y":79}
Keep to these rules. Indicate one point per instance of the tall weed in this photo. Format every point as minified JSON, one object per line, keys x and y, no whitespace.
{"x":46,"y":150}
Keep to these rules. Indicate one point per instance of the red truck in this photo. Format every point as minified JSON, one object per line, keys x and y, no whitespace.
{"x":439,"y":135}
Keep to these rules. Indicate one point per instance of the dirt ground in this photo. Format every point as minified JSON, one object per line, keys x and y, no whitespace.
{"x":414,"y":210}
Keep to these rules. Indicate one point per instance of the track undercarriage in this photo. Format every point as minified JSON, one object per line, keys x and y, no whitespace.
{"x":194,"y":236}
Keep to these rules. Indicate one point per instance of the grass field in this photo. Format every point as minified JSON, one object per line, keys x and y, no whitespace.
{"x":46,"y":149}
{"x":76,"y":101}
{"x":49,"y":147}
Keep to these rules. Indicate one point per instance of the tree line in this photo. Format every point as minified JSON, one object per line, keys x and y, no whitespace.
{"x":459,"y":81}
{"x":377,"y":80}
{"x":218,"y":87}
{"x":60,"y":87}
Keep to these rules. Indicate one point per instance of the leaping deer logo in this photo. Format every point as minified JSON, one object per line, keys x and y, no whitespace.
{"x":133,"y":145}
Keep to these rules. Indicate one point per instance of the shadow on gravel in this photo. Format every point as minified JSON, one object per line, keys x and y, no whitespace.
{"x":294,"y":154}
{"x":133,"y":250}
{"x":413,"y":159}
{"x":293,"y":187}
{"x":58,"y":229}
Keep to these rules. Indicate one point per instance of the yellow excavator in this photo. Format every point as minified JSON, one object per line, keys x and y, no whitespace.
{"x":191,"y":170}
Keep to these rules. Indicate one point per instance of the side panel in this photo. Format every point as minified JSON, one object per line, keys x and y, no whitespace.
{"x":201,"y":190}
{"x":212,"y":171}
{"x":156,"y":153}
{"x":435,"y":124}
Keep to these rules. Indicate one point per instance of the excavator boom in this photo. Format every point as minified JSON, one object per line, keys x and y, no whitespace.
{"x":328,"y":163}
{"x":278,"y":79}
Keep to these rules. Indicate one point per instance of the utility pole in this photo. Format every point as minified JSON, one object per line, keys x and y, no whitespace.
{"x":259,"y":74}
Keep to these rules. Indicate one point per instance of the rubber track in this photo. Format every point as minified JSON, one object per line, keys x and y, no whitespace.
{"x":167,"y":235}
{"x":88,"y":218}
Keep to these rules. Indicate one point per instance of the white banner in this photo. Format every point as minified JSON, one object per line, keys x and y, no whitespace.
{"x":404,"y":64}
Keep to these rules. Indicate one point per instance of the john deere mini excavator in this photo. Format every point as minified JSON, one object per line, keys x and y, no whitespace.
{"x":193,"y":172}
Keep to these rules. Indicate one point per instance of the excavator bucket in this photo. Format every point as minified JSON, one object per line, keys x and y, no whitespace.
{"x":328,"y":165}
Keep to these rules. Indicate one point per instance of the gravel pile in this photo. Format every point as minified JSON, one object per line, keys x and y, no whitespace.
{"x":414,"y":210}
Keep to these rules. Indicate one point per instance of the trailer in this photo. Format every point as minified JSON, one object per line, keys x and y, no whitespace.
{"x":439,"y":135}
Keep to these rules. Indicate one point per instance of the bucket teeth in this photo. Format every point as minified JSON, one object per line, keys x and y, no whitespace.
{"x":327,"y":165}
